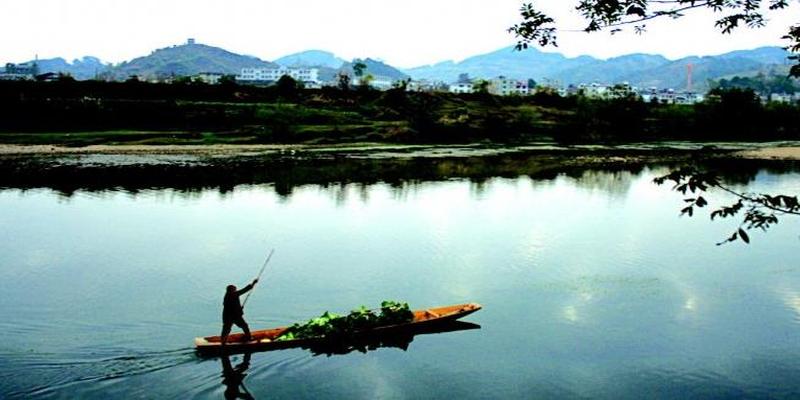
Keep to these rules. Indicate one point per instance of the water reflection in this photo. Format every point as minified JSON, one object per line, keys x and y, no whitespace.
{"x":400,"y":340}
{"x":337,"y":175}
{"x":591,"y":298}
{"x":616,"y":184}
{"x":233,"y":378}
{"x":792,"y":300}
{"x":363,"y":343}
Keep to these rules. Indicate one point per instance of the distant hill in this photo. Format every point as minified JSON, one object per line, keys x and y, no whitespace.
{"x":674,"y":73}
{"x":81,"y":69}
{"x":378,"y":69}
{"x":642,"y":70}
{"x":311,"y":58}
{"x":617,"y":69}
{"x":531,"y":63}
{"x":764,"y":55}
{"x":188,"y":59}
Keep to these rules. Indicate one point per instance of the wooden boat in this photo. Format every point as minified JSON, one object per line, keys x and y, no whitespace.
{"x":264,"y":340}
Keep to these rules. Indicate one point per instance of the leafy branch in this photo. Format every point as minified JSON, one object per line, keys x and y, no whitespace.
{"x":537,"y":27}
{"x":758,"y":210}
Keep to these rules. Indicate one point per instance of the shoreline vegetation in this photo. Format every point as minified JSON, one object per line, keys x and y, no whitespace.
{"x":82,"y":113}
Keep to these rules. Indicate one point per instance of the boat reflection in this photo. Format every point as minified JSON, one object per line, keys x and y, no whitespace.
{"x":233,"y":377}
{"x":400,"y":339}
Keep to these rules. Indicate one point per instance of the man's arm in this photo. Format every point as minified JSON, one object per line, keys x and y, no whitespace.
{"x":247,"y":288}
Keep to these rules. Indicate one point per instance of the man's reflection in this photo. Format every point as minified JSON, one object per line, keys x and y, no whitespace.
{"x":233,"y":378}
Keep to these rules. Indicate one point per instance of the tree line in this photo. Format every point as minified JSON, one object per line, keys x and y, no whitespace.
{"x":286,"y":112}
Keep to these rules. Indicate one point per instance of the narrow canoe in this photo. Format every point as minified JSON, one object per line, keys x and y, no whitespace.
{"x":264,"y":340}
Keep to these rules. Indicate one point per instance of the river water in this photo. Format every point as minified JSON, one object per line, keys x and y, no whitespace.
{"x":592,"y":287}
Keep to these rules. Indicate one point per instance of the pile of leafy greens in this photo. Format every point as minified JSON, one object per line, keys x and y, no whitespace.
{"x":359,"y":320}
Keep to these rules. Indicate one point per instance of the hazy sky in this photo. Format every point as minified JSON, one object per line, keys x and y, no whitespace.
{"x":404,"y":33}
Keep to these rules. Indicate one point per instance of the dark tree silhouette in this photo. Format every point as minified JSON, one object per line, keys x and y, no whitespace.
{"x":758,"y":210}
{"x":359,"y":68}
{"x":344,"y":81}
{"x":288,"y":87}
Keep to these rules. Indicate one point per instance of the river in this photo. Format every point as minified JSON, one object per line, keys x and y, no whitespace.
{"x":592,"y":287}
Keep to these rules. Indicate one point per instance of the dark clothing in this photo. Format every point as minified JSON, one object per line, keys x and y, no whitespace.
{"x":232,"y":313}
{"x":228,"y":324}
{"x":231,"y":307}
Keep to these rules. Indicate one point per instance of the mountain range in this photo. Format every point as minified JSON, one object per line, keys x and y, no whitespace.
{"x":644,"y":70}
{"x":81,"y":69}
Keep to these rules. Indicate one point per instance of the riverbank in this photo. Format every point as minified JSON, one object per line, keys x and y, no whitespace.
{"x":764,"y":151}
{"x":137,"y":167}
{"x":791,"y":153}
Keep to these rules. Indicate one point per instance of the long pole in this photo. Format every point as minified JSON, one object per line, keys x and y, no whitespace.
{"x":259,"y":276}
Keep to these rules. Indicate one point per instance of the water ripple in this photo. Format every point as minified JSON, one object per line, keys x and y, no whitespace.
{"x":63,"y":370}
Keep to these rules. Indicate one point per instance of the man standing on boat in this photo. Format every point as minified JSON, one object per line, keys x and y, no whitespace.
{"x":232,"y":312}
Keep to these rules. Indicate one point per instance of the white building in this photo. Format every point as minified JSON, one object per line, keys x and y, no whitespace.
{"x":781,"y":98}
{"x":687,"y":98}
{"x":594,"y":90}
{"x":621,"y":91}
{"x":426,"y":86}
{"x":211,"y":78}
{"x":382,"y":83}
{"x":20,"y":72}
{"x":502,"y":86}
{"x":306,"y":75}
{"x":462,"y":87}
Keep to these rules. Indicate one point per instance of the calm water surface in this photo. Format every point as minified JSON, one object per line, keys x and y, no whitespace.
{"x":592,"y":288}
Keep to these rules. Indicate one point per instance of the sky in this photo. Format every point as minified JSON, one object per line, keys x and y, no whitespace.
{"x":405,"y":33}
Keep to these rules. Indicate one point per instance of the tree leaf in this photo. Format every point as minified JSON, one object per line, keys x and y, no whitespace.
{"x":743,"y":235}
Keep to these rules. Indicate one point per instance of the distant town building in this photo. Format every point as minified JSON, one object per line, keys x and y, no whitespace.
{"x":425,"y":85}
{"x":571,"y":90}
{"x":381,"y":83}
{"x":502,"y":86}
{"x":781,"y":98}
{"x":49,"y":77}
{"x":621,"y":91}
{"x":211,"y":78}
{"x":687,"y":98}
{"x":595,"y":90}
{"x":191,"y":41}
{"x":20,"y":72}
{"x":268,"y":75}
{"x":462,"y":87}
